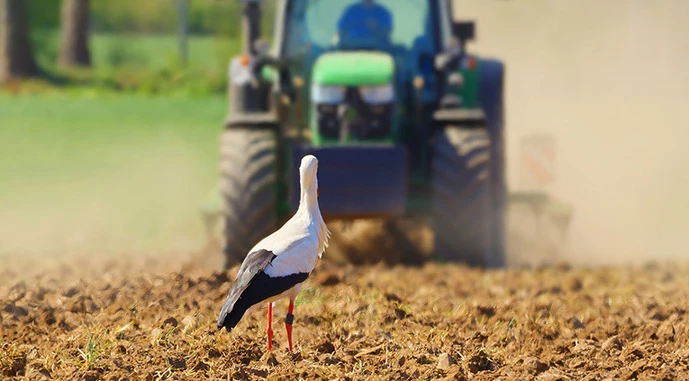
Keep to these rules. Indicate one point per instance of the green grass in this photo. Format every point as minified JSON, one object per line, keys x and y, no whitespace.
{"x":115,"y":158}
{"x":92,"y":351}
{"x":105,"y":172}
{"x":146,"y":64}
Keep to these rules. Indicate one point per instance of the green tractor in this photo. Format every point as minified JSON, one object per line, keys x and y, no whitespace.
{"x":404,"y":122}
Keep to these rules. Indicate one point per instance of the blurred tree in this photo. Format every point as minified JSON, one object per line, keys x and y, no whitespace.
{"x":183,"y":29}
{"x":43,"y":15}
{"x":74,"y":49}
{"x":16,"y":55}
{"x":134,"y":16}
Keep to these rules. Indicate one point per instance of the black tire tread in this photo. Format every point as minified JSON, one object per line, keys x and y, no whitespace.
{"x":461,"y":197}
{"x":248,"y":173}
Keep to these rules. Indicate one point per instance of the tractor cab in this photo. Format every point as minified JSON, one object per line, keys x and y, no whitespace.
{"x":367,"y":65}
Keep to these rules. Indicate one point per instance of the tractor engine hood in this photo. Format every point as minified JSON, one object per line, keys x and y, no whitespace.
{"x":353,"y":69}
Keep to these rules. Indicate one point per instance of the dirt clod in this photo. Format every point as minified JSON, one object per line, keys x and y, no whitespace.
{"x":400,"y":313}
{"x":612,"y":343}
{"x":71,"y":292}
{"x":325,"y":347}
{"x":201,"y":367}
{"x":13,"y":365}
{"x":445,"y":361}
{"x":553,"y":375}
{"x":535,"y":366}
{"x":327,"y":278}
{"x":332,"y":360}
{"x":270,"y":359}
{"x":423,"y":359}
{"x":487,"y":311}
{"x":49,"y":318}
{"x":170,"y":321}
{"x":16,"y":311}
{"x":89,"y":376}
{"x":574,"y":284}
{"x":666,"y":331}
{"x":577,"y":324}
{"x":392,"y":297}
{"x":177,"y":362}
{"x":480,"y":362}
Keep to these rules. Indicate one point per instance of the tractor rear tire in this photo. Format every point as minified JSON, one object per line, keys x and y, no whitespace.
{"x":491,"y":97}
{"x":462,"y":206}
{"x":248,"y":171}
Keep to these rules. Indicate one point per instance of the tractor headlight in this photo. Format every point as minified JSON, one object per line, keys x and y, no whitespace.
{"x":323,"y":94}
{"x":377,"y":94}
{"x":328,"y":122}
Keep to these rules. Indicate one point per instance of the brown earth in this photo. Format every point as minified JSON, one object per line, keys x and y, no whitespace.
{"x":371,"y":322}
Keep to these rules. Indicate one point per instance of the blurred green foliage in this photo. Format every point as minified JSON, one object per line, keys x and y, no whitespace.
{"x":144,"y":64}
{"x":134,"y":45}
{"x":44,"y":14}
{"x":153,"y":16}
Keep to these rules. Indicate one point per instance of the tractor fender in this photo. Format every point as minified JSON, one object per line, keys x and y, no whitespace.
{"x":490,"y":94}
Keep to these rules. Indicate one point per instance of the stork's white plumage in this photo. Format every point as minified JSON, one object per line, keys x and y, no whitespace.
{"x":277,"y":266}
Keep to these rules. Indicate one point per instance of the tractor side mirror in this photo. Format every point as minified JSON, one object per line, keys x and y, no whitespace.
{"x":279,"y":67}
{"x":464,"y":30}
{"x":263,"y":58}
{"x":261,"y":47}
{"x":450,"y":56}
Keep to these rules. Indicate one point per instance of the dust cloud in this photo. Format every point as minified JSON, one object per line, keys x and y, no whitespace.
{"x":610,"y":80}
{"x":141,"y":213}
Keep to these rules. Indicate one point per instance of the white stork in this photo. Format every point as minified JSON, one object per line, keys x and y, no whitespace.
{"x":278,"y":265}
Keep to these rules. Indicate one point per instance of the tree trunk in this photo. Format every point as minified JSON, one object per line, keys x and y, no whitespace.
{"x":16,"y":55}
{"x":182,"y":29}
{"x":74,"y":49}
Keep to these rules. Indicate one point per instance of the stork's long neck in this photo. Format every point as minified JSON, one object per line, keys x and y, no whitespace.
{"x":308,"y":184}
{"x":308,"y":205}
{"x":309,"y":197}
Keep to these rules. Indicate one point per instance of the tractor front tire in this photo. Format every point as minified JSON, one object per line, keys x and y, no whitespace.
{"x":248,"y":171}
{"x":461,"y":196}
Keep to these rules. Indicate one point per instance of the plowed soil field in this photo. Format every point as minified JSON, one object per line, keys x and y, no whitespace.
{"x":352,"y":323}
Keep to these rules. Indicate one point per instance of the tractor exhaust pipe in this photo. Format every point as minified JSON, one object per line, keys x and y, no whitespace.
{"x":251,"y":27}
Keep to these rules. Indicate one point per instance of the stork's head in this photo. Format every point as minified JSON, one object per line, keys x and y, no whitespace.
{"x":307,"y":174}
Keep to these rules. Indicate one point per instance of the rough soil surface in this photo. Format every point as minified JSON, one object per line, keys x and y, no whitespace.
{"x":375,"y":322}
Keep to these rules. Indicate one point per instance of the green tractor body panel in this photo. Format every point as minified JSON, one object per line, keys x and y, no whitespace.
{"x":353,"y":69}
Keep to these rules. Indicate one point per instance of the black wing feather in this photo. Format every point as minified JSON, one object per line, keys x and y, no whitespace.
{"x":261,"y":288}
{"x":255,"y":262}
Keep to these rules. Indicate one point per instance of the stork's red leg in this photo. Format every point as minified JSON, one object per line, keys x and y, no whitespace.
{"x":289,"y":319}
{"x":269,"y":330}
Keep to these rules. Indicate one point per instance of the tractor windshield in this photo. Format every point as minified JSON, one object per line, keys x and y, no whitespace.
{"x":356,"y":24}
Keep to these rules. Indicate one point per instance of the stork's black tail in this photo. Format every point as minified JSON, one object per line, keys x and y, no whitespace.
{"x":238,"y":300}
{"x":231,"y":315}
